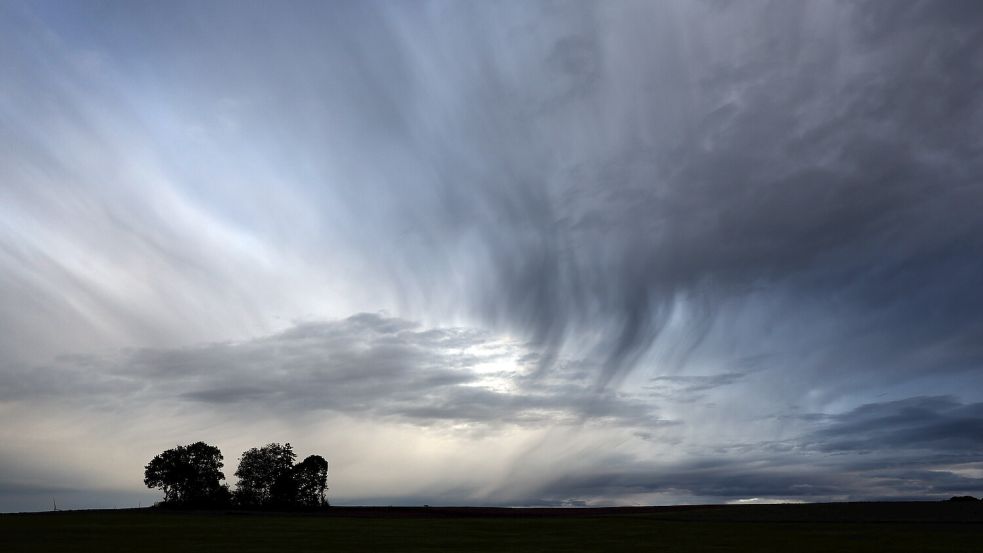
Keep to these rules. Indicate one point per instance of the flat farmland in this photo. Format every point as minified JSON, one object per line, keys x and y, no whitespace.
{"x":921,"y":527}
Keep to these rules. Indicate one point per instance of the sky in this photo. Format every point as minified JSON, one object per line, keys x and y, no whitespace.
{"x":495,"y":253}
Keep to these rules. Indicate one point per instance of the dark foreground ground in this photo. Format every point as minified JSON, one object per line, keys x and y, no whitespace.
{"x":921,"y":527}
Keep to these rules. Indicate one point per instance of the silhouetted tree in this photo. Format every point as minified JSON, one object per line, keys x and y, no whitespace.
{"x":283,"y":494}
{"x":265,"y":476}
{"x":188,"y":475}
{"x":311,"y":477}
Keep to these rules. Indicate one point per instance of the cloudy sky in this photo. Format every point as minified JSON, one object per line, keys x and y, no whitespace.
{"x":509,"y":253}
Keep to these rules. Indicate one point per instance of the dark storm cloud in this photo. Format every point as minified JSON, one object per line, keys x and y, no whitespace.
{"x":917,"y":448}
{"x":860,"y":191}
{"x":721,"y":480}
{"x":735,"y":481}
{"x":923,"y":447}
{"x":939,"y":424}
{"x":827,"y":152}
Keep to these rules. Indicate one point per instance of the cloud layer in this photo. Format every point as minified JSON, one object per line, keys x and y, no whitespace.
{"x":684,"y":250}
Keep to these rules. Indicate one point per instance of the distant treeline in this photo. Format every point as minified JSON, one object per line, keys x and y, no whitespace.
{"x":191,"y":475}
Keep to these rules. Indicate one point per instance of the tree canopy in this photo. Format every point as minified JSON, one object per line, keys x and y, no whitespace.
{"x":188,"y":475}
{"x":311,"y":477}
{"x":265,"y":475}
{"x":267,"y":478}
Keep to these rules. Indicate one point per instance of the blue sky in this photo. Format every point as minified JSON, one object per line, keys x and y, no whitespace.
{"x":511,"y":253}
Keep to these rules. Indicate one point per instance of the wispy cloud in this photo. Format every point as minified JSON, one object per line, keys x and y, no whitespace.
{"x":756,"y":221}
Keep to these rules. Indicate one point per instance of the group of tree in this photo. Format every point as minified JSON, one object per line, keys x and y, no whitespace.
{"x":191,"y":476}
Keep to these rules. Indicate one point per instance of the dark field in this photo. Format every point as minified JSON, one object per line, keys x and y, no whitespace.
{"x":800,"y":528}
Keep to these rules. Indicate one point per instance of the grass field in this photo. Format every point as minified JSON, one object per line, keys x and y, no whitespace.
{"x":799,"y":528}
